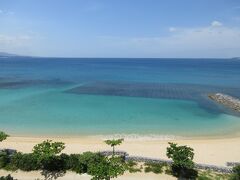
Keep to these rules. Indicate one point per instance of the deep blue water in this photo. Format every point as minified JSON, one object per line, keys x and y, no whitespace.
{"x":198,"y":71}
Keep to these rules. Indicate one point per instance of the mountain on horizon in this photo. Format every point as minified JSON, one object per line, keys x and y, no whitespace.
{"x":4,"y":54}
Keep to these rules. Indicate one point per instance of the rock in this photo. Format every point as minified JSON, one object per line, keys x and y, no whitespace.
{"x":226,"y":100}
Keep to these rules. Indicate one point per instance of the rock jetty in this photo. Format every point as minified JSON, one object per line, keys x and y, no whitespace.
{"x":226,"y":100}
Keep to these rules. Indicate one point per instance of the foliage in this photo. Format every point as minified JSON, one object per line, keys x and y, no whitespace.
{"x":72,"y":163}
{"x":132,"y":167}
{"x":46,"y":153}
{"x":209,"y":175}
{"x":156,"y":168}
{"x":65,"y":161}
{"x":183,"y":164}
{"x":184,"y":172}
{"x":4,"y":159}
{"x":236,"y":173}
{"x":81,"y":162}
{"x":107,"y":168}
{"x":25,"y":162}
{"x":46,"y":157}
{"x":182,"y":156}
{"x":53,"y":163}
{"x":8,"y":177}
{"x":3,"y":136}
{"x":113,"y":143}
{"x":48,"y":148}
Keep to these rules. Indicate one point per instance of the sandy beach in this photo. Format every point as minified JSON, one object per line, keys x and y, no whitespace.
{"x":216,"y":151}
{"x":208,"y":151}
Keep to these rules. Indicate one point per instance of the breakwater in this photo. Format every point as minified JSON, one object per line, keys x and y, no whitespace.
{"x":226,"y":100}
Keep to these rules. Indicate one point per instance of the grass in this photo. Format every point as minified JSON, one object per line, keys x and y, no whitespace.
{"x":156,"y":168}
{"x":209,"y":175}
{"x":133,"y":167}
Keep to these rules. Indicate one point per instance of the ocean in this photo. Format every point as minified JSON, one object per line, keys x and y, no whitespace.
{"x":117,"y":96}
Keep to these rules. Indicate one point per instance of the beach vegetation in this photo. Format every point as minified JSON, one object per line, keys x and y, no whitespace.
{"x":94,"y":164}
{"x":209,"y":175}
{"x":156,"y":168}
{"x":183,"y":165}
{"x":53,"y":163}
{"x":3,"y":136}
{"x":4,"y":158}
{"x":107,"y":168}
{"x":236,"y":173}
{"x":49,"y":159}
{"x":47,"y":154}
{"x":133,"y":167}
{"x":113,"y":143}
{"x":72,"y":163}
{"x":8,"y":177}
{"x":25,"y":162}
{"x":48,"y":148}
{"x":80,"y":163}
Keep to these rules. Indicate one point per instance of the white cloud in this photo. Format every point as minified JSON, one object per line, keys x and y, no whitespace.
{"x":8,"y":13}
{"x":8,"y":41}
{"x":172,"y":29}
{"x":216,"y":24}
{"x":206,"y":41}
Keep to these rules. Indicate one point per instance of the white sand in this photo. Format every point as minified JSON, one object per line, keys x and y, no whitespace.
{"x":208,"y":151}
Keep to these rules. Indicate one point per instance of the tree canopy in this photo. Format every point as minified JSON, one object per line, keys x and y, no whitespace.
{"x":48,"y":148}
{"x":107,"y":168}
{"x":183,"y":165}
{"x":182,"y":156}
{"x":113,"y":143}
{"x":3,"y":136}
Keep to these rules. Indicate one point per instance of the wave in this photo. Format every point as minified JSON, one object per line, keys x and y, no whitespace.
{"x":139,"y":137}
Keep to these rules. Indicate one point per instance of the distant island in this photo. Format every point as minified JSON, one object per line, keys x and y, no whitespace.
{"x":236,"y":58}
{"x":4,"y":54}
{"x":9,"y":55}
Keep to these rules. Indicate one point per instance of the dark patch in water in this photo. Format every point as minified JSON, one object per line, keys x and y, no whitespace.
{"x":192,"y":92}
{"x":15,"y":84}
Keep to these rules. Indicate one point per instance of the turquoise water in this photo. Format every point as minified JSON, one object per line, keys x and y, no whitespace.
{"x":38,"y":99}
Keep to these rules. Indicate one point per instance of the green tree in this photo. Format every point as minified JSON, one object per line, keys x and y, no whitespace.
{"x":113,"y":143}
{"x":3,"y":136}
{"x":8,"y":177}
{"x":80,"y":163}
{"x":236,"y":173}
{"x":182,"y":156}
{"x":47,"y":155}
{"x":48,"y":148}
{"x":25,"y":162}
{"x":107,"y":168}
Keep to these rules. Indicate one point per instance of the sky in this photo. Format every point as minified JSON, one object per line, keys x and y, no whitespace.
{"x":121,"y":28}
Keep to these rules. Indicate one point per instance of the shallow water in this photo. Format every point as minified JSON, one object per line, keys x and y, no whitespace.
{"x":117,"y":96}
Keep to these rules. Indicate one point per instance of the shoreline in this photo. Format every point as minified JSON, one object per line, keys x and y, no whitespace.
{"x":131,"y":136}
{"x":207,"y":150}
